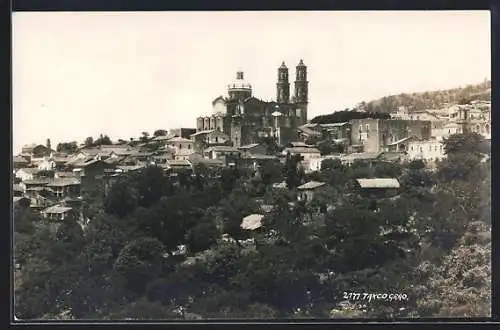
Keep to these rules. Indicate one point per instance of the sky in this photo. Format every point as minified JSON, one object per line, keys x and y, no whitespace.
{"x":79,"y":74}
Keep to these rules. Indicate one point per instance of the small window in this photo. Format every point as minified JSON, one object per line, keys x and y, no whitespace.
{"x":216,"y":139}
{"x":189,"y":146}
{"x":411,"y":148}
{"x":430,"y":148}
{"x":367,"y":127}
{"x":360,"y":128}
{"x":435,"y":148}
{"x":421,"y":150}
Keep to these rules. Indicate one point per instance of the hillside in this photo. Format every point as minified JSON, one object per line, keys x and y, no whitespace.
{"x":429,"y":99}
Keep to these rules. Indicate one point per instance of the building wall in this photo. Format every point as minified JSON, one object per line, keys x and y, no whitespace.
{"x":430,"y":150}
{"x":366,"y":133}
{"x":375,"y":134}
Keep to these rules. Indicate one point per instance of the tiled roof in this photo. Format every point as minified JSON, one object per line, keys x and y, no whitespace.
{"x":202,"y":132}
{"x":249,"y":146}
{"x":19,"y":159}
{"x":301,"y":150}
{"x":180,"y":162}
{"x":37,"y":181}
{"x":29,"y":170}
{"x":17,"y":187}
{"x":258,"y":156}
{"x":57,"y":209}
{"x":63,"y":182}
{"x":309,"y":131}
{"x":311,"y":185}
{"x":179,"y":139}
{"x":252,"y":222}
{"x":334,"y":125}
{"x":361,"y":156}
{"x":378,"y":183}
{"x":221,"y":149}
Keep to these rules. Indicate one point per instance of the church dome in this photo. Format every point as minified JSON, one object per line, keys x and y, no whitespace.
{"x":239,"y":84}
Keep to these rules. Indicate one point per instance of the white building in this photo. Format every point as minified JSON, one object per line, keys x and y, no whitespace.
{"x":428,"y":150}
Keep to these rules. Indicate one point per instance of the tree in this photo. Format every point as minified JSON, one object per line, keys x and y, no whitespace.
{"x":121,"y":198}
{"x":138,"y":263}
{"x":292,"y":171}
{"x":103,"y":140}
{"x":271,"y":172}
{"x":202,"y":236}
{"x":145,"y":136}
{"x":67,"y":147}
{"x":48,"y":145}
{"x":160,"y":132}
{"x":89,"y":141}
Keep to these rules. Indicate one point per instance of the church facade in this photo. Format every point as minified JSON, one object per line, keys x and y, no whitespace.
{"x":246,"y":119}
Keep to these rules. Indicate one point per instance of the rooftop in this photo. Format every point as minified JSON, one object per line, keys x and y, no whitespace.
{"x":378,"y":183}
{"x":252,"y":222}
{"x":57,"y":209}
{"x":221,"y":149}
{"x":301,"y":150}
{"x":311,"y":185}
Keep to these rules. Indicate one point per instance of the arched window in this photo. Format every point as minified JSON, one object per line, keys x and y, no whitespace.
{"x":487,"y":128}
{"x":435,"y":148}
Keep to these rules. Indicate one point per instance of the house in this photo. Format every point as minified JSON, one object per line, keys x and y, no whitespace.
{"x":46,"y":164}
{"x":35,"y":151}
{"x":308,"y":154}
{"x":373,"y":135}
{"x":39,"y":202}
{"x":196,"y":159}
{"x":179,"y":166}
{"x":19,"y":162}
{"x":255,"y":161}
{"x":340,"y":132}
{"x":184,"y":154}
{"x":180,"y":144}
{"x":369,"y":158}
{"x":378,"y":187}
{"x":209,"y":138}
{"x":430,"y":150}
{"x":255,"y":148}
{"x":252,"y":222}
{"x":182,"y":132}
{"x":65,"y":187}
{"x":280,"y":185}
{"x":305,"y":132}
{"x":91,"y":173}
{"x":20,"y":203}
{"x":59,"y":213}
{"x":220,"y":152}
{"x":28,"y":173}
{"x":308,"y":190}
{"x":17,"y":190}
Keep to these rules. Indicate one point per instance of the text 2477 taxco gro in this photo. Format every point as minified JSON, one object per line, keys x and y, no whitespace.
{"x":365,"y":296}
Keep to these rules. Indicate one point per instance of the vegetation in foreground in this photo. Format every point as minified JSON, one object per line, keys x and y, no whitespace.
{"x":432,"y":244}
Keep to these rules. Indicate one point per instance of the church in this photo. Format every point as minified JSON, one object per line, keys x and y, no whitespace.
{"x":245,"y":119}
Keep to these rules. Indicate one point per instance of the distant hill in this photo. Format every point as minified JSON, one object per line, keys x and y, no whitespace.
{"x":429,"y":100}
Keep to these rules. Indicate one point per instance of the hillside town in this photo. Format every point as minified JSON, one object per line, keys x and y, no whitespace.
{"x":236,"y":133}
{"x":258,"y":212}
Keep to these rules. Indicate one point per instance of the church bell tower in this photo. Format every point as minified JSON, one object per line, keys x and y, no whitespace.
{"x":283,"y":86}
{"x":301,"y":91}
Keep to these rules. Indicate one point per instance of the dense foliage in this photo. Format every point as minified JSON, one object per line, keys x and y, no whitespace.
{"x":154,"y":247}
{"x":346,"y":115}
{"x":430,"y":100}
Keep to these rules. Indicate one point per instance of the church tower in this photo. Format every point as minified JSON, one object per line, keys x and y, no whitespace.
{"x":283,"y":86}
{"x":301,"y":91}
